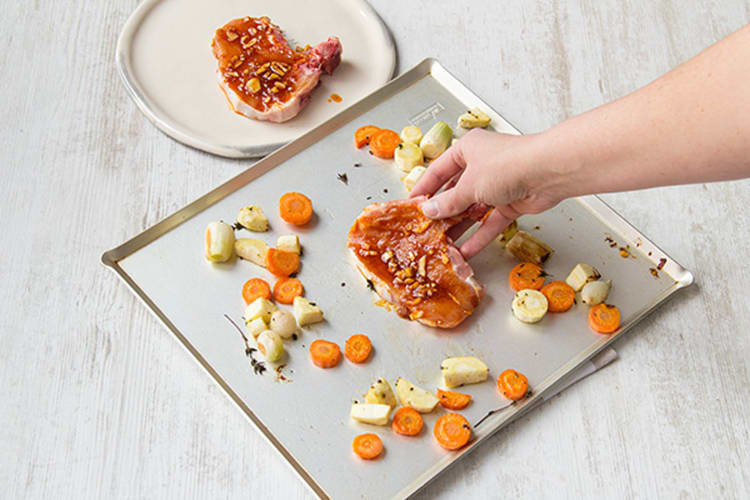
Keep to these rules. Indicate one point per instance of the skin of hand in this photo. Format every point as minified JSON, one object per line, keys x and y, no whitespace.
{"x":486,"y":167}
{"x":691,"y":125}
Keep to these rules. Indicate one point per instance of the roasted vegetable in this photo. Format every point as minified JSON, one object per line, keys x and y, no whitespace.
{"x":380,"y":392}
{"x":411,"y":180}
{"x":306,"y":312}
{"x":529,"y":306}
{"x":411,"y":134}
{"x":595,"y":292}
{"x":407,"y":156}
{"x":260,"y":308}
{"x":417,"y":398}
{"x":507,"y":234}
{"x":270,"y":345}
{"x":604,"y":318}
{"x":474,"y":118}
{"x":253,"y":218}
{"x":219,"y":241}
{"x":437,"y":140}
{"x":528,"y":248}
{"x":580,"y":275}
{"x":283,"y":323}
{"x":253,"y":250}
{"x":289,"y":243}
{"x":371,"y":413}
{"x":463,"y":370}
{"x":256,"y":326}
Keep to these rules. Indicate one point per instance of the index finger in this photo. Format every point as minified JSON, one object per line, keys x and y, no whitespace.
{"x":441,"y":171}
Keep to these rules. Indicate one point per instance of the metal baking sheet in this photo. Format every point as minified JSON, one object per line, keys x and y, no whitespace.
{"x":306,"y":418}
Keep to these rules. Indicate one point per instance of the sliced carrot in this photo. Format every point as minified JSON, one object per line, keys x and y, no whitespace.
{"x":363,"y":135}
{"x":367,"y":446}
{"x":255,"y":288}
{"x":281,"y":263}
{"x":325,"y":354}
{"x":452,"y":431}
{"x":604,"y":318}
{"x":560,"y":296}
{"x":295,"y":208}
{"x":513,"y":385}
{"x":286,"y":289}
{"x":526,"y":275}
{"x":357,"y":349}
{"x":384,"y":143}
{"x":407,"y":421}
{"x":453,"y":400}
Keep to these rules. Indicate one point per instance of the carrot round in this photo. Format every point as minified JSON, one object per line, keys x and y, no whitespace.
{"x":604,"y":318}
{"x":255,"y":288}
{"x":295,"y":208}
{"x":526,"y":275}
{"x":407,"y":421}
{"x":560,"y":296}
{"x":367,"y":446}
{"x":453,"y":400}
{"x":513,"y":385}
{"x":363,"y":135}
{"x":452,"y":431}
{"x":384,"y":143}
{"x":325,"y":354}
{"x":281,"y":263}
{"x":357,"y":349}
{"x":286,"y":289}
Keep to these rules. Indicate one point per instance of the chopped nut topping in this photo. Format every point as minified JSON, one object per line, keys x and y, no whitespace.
{"x":273,"y":76}
{"x":416,"y":315}
{"x":422,"y":271}
{"x":262,"y":68}
{"x":422,"y":227}
{"x":281,"y":86}
{"x":232,"y":35}
{"x":386,"y":256}
{"x":253,"y":85}
{"x":444,"y":258}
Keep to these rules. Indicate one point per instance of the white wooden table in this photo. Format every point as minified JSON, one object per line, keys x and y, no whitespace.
{"x":98,"y":400}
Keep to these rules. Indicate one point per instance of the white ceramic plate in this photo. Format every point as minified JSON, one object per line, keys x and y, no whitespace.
{"x":164,"y":58}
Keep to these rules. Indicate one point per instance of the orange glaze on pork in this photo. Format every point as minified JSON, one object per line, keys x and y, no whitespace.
{"x":408,"y":253}
{"x":255,"y":61}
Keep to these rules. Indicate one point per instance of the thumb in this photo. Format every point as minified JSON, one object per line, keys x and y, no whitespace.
{"x":453,"y":201}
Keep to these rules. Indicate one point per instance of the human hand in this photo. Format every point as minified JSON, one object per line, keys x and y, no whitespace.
{"x":504,"y":171}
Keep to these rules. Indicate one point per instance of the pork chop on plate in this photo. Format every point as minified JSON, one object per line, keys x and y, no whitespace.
{"x":413,"y":264}
{"x":261,"y":76}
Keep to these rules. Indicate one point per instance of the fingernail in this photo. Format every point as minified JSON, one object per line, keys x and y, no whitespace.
{"x":429,"y":208}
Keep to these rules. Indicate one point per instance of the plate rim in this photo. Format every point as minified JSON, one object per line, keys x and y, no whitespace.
{"x":123,"y":56}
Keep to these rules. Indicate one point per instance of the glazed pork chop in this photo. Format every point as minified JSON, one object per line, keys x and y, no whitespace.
{"x":261,"y":76}
{"x":413,"y":264}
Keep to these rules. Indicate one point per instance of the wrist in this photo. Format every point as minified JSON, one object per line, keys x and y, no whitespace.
{"x":559,"y":162}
